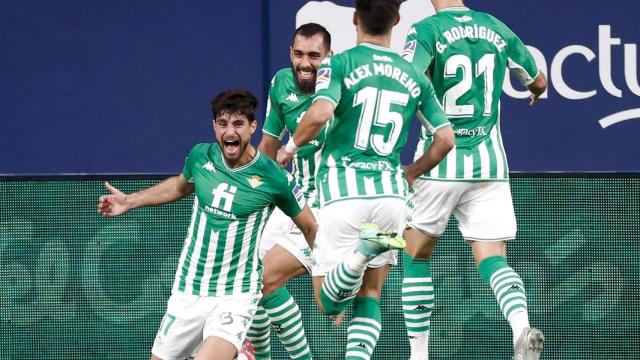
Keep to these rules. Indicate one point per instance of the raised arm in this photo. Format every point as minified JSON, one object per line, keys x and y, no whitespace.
{"x":310,"y":126}
{"x":169,"y":190}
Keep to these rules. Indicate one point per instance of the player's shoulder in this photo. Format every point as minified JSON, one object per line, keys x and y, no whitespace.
{"x":282,"y":80}
{"x":202,"y":149}
{"x":283,"y":75}
{"x":491,"y":20}
{"x":269,"y":169}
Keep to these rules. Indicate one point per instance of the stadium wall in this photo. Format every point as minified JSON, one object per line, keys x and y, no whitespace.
{"x":74,"y":285}
{"x":123,"y":87}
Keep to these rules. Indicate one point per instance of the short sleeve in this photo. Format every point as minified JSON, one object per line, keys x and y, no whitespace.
{"x":288,"y":197}
{"x":418,"y":47}
{"x":430,"y":110}
{"x":329,"y":80}
{"x":274,"y":121}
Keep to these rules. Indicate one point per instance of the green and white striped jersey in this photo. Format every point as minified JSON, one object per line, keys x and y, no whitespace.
{"x":285,"y":107}
{"x":465,"y":53}
{"x":376,"y":94}
{"x":230,"y":209}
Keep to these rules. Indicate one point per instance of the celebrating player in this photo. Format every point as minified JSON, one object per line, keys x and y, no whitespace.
{"x":218,"y":281}
{"x":466,"y":53}
{"x":370,"y":94}
{"x":284,"y":251}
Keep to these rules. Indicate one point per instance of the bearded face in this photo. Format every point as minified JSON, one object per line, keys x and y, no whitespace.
{"x":306,"y":55}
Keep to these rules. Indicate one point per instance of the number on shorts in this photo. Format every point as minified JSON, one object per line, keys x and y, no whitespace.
{"x":225,"y":318}
{"x":166,"y":323}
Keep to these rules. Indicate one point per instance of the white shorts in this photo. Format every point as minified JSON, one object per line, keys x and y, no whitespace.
{"x":190,"y":319}
{"x":484,"y":210}
{"x":339,"y":226}
{"x":281,"y":230}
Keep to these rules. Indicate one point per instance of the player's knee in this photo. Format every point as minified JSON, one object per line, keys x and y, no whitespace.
{"x":420,"y":252}
{"x":269,"y":285}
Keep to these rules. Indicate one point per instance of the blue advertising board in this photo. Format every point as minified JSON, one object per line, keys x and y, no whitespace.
{"x":123,"y":87}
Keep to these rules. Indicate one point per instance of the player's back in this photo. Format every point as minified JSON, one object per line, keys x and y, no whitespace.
{"x":376,"y":93}
{"x":466,"y":53}
{"x":471,"y":51}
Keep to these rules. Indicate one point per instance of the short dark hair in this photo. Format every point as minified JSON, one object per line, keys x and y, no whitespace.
{"x":235,"y":101}
{"x":377,"y":16}
{"x":310,"y":29}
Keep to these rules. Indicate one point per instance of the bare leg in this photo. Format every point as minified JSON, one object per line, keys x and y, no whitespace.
{"x":215,"y":348}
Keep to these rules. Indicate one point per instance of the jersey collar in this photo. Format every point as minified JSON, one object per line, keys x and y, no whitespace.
{"x":455,"y":8}
{"x":253,"y":161}
{"x":376,"y":47}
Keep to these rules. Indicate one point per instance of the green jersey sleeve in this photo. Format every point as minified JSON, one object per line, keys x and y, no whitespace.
{"x":289,"y":198}
{"x":430,"y":111}
{"x":196,"y":152}
{"x":274,"y":123}
{"x":329,"y":80}
{"x":519,"y":60}
{"x":419,"y":48}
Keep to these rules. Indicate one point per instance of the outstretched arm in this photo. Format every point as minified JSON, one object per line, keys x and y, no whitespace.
{"x":169,"y":190}
{"x":310,"y":126}
{"x":443,"y":142}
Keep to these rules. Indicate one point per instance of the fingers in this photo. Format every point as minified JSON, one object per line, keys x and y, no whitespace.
{"x":534,"y":99}
{"x":104,"y":206}
{"x":112,"y":189}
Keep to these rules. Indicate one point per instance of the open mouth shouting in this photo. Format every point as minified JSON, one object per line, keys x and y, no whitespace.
{"x":231,"y":147}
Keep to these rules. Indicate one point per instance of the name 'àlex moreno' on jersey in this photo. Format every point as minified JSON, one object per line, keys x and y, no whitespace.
{"x":230,"y":209}
{"x":376,"y":94}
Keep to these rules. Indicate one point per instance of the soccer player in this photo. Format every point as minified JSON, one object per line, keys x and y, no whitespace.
{"x":370,"y":95}
{"x":218,"y":281}
{"x":284,"y":251}
{"x":465,"y":53}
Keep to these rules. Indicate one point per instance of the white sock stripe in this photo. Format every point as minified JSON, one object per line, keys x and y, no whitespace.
{"x":358,"y":354}
{"x":290,"y":326}
{"x":363,"y":332}
{"x":512,"y":298}
{"x":367,"y":321}
{"x":420,"y":316}
{"x":504,"y":300}
{"x":362,"y":337}
{"x":429,"y":307}
{"x":287,"y":304}
{"x":504,"y":289}
{"x":296,"y":347}
{"x":416,"y":280}
{"x":499,"y":272}
{"x":346,"y":269}
{"x":418,"y":297}
{"x":513,"y":304}
{"x":421,"y":324}
{"x":301,"y":354}
{"x":418,"y":334}
{"x":512,"y":278}
{"x":426,"y":289}
{"x":294,"y":311}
